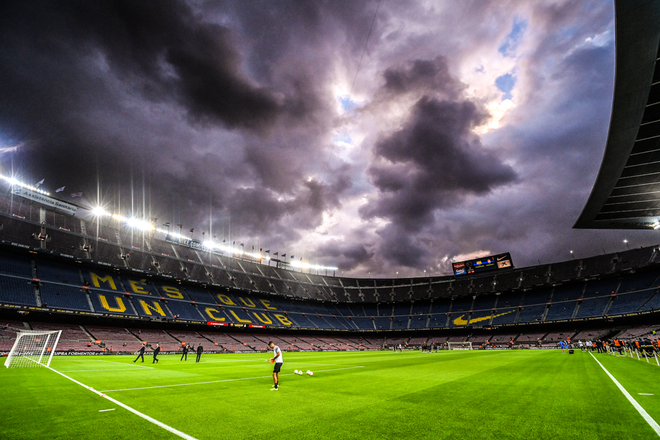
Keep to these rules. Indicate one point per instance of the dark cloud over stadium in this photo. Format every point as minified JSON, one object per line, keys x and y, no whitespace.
{"x":444,"y":130}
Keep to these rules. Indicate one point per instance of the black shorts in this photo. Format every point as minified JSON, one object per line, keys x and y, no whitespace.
{"x":277,"y":367}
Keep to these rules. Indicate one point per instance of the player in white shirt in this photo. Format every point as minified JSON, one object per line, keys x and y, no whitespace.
{"x":277,"y":359}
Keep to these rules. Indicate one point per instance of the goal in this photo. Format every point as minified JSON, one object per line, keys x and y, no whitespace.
{"x":459,"y":345}
{"x":33,"y":348}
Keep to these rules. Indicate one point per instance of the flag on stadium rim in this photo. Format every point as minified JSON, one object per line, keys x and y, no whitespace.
{"x":41,"y":182}
{"x":59,"y":190}
{"x":167,"y":225}
{"x":192,"y":229}
{"x":78,"y":194}
{"x":180,"y":226}
{"x":267,"y":251}
{"x":283,"y":255}
{"x":276,"y":253}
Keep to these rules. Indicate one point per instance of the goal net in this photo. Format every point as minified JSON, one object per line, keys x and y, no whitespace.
{"x":33,"y":348}
{"x":459,"y":345}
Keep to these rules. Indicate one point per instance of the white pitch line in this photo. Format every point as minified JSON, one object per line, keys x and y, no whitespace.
{"x":645,"y":394}
{"x":329,"y":365}
{"x":220,"y":381}
{"x":134,"y":411}
{"x":124,"y":363}
{"x":107,"y":369}
{"x":105,"y":410}
{"x":652,"y":423}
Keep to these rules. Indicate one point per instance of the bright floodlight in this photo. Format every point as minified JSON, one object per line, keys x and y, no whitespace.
{"x":99,"y":211}
{"x":139,"y":224}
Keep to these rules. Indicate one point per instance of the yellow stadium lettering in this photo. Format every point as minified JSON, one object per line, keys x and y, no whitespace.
{"x":266,"y":304}
{"x":96,"y":280}
{"x":173,"y":292}
{"x":247,"y":302}
{"x":209,"y":311}
{"x":264,"y":320}
{"x":137,"y":286}
{"x":155,"y":307}
{"x":283,"y":319}
{"x":226,"y":300}
{"x":121,"y":307}
{"x":239,"y":319}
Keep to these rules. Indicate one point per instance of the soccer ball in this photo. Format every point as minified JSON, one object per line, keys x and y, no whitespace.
{"x":311,"y":373}
{"x":295,"y":372}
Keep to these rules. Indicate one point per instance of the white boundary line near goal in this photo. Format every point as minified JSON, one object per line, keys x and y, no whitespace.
{"x":630,"y":398}
{"x":220,"y":381}
{"x":134,"y":411}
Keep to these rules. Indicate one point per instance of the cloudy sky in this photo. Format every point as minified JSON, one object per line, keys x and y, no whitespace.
{"x":381,"y":137}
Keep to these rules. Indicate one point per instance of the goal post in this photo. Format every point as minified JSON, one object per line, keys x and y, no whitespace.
{"x":33,"y":348}
{"x":459,"y":345}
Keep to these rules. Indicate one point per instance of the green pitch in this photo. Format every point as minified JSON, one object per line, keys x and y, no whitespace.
{"x":531,"y":394}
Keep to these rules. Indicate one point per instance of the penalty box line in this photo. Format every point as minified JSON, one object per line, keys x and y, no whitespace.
{"x":134,"y":411}
{"x":630,"y":398}
{"x":222,"y":380}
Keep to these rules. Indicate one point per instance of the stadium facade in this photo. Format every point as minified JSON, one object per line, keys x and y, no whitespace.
{"x":63,"y":269}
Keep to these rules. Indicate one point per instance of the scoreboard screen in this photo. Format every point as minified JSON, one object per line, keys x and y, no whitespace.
{"x":484,"y":264}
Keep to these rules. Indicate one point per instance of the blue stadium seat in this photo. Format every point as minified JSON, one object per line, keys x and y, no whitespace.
{"x":15,"y":264}
{"x":630,"y":302}
{"x":185,"y":310}
{"x":17,"y":291}
{"x":62,"y":273}
{"x":561,"y":311}
{"x":65,"y":297}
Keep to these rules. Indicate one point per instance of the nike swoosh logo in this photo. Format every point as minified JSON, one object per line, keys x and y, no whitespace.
{"x":461,"y":321}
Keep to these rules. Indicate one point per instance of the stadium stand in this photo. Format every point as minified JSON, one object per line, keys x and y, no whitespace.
{"x":17,"y":291}
{"x":64,"y":297}
{"x":120,"y":339}
{"x":73,"y":337}
{"x":8,"y":331}
{"x":117,"y":277}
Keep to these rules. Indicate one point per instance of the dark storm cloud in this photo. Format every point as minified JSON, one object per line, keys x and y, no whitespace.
{"x":422,"y":75}
{"x":273,"y":29}
{"x":434,"y":161}
{"x":160,"y":45}
{"x":346,"y":255}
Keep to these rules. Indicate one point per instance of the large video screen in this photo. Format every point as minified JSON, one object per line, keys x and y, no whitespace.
{"x":484,"y":264}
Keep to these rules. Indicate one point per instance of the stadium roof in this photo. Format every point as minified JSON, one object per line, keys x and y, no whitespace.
{"x":626,"y":194}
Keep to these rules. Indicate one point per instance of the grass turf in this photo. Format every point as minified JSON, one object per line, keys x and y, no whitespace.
{"x":540,"y":394}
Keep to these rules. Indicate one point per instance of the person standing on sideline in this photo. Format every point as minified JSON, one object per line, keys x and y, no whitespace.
{"x":156,"y":351}
{"x":140,"y":353}
{"x":185,"y":352}
{"x":277,"y":359}
{"x":200,"y":349}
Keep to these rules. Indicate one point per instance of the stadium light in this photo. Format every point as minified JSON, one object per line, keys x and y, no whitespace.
{"x":656,"y":225}
{"x":15,"y":182}
{"x":303,"y":265}
{"x":139,"y":224}
{"x":100,"y":211}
